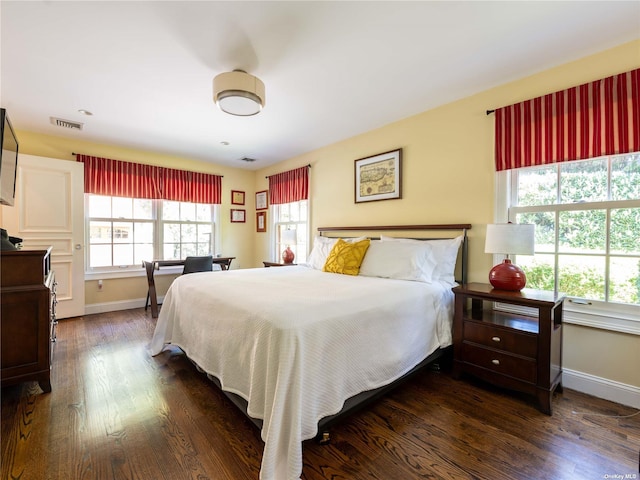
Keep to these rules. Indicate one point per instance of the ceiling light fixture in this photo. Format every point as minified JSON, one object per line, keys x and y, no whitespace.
{"x":238,"y":93}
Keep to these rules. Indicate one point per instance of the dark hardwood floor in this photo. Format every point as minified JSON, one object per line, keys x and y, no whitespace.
{"x":115,"y":412}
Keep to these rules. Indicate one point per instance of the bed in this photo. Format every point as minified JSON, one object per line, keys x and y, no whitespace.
{"x":297,"y":348}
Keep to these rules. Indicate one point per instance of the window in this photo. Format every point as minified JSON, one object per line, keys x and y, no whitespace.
{"x":122,"y":232}
{"x":291,"y":216}
{"x":187,"y":229}
{"x":587,"y":217}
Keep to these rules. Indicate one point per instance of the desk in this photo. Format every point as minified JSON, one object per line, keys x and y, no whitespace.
{"x":154,"y":265}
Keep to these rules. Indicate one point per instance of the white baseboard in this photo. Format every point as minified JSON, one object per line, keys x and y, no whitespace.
{"x":601,"y":387}
{"x":115,"y":306}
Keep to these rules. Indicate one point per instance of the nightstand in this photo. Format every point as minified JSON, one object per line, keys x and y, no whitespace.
{"x":277,"y":264}
{"x":518,"y":351}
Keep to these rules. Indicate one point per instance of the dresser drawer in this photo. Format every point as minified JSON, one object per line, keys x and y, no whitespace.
{"x":500,"y":362}
{"x":508,"y":340}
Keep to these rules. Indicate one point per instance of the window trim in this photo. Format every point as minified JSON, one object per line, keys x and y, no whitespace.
{"x":138,"y":271}
{"x":273,"y":241}
{"x":129,"y":273}
{"x":600,"y":315}
{"x":159,"y":243}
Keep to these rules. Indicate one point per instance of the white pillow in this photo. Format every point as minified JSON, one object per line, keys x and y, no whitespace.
{"x":400,"y":261}
{"x":445,"y":253}
{"x":322,"y":247}
{"x":320,"y":251}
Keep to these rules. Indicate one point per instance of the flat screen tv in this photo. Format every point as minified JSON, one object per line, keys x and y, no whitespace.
{"x":8,"y":160}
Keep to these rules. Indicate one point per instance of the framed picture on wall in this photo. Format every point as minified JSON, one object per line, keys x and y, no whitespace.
{"x":262,"y":201}
{"x":237,"y":197}
{"x":238,"y":216}
{"x":261,"y":221}
{"x":379,"y":177}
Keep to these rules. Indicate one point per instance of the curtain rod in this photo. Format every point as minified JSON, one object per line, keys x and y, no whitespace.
{"x":489,"y":112}
{"x":267,"y":176}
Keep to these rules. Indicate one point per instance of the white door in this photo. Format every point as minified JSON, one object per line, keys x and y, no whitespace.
{"x":49,"y":211}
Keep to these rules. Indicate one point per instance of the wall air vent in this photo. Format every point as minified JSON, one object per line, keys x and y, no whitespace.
{"x":60,"y":122}
{"x":248,"y":159}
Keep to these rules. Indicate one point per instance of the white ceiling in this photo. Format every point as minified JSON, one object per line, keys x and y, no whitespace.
{"x":332,"y":70}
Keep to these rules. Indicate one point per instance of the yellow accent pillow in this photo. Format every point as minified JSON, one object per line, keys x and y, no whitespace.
{"x":346,"y":257}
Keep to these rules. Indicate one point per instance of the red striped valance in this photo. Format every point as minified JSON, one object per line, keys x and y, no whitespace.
{"x":291,"y":186}
{"x":103,"y":176}
{"x":588,"y":121}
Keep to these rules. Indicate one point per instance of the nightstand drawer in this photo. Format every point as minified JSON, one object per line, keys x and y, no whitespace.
{"x":513,"y":341}
{"x":499,"y":362}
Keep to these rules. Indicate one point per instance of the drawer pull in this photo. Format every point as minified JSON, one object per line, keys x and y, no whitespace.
{"x":495,"y":361}
{"x":495,"y":339}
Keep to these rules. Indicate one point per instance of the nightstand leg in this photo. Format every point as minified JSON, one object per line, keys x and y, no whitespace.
{"x":45,"y":385}
{"x":544,"y":401}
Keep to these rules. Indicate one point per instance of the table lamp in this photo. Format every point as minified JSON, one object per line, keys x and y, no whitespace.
{"x":509,"y":239}
{"x":289,"y":237}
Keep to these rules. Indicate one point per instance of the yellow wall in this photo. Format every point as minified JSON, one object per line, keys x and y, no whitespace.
{"x":605,"y":354}
{"x":448,"y":170}
{"x":236,"y":238}
{"x":448,"y":176}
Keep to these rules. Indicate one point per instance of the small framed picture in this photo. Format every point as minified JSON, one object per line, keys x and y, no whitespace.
{"x":237,"y":197}
{"x":261,"y":221}
{"x":379,"y":177}
{"x":238,"y":216}
{"x":262,"y":201}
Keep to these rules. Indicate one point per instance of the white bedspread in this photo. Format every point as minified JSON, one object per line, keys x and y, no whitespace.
{"x":296,"y":342}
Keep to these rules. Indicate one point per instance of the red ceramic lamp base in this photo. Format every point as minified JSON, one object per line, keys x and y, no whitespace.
{"x":507,"y":276}
{"x":288,"y":256}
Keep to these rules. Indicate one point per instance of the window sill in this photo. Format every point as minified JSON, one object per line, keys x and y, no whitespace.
{"x":130,"y":272}
{"x":622,"y":322}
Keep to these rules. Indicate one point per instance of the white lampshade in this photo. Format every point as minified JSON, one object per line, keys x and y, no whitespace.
{"x":289,"y":237}
{"x":510,"y":239}
{"x":238,"y":93}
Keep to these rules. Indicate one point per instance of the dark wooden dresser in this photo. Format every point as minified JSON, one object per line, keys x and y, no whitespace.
{"x":27,"y":317}
{"x":520,"y":350}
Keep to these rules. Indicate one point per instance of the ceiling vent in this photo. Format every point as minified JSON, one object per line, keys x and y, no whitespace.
{"x":248,"y":159}
{"x":60,"y":122}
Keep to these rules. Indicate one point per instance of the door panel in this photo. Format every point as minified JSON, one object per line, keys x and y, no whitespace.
{"x":49,"y":211}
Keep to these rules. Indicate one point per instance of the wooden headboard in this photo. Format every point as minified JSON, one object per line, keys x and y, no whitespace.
{"x":460,"y":227}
